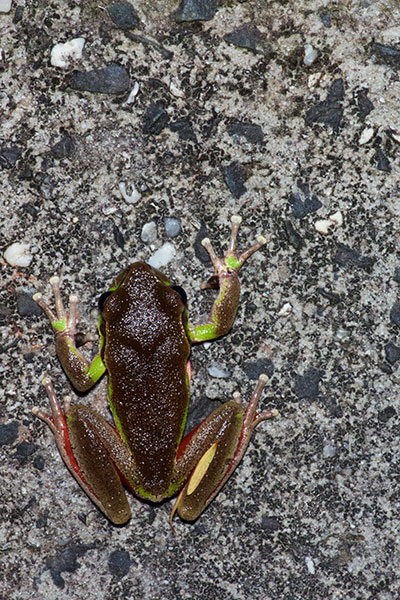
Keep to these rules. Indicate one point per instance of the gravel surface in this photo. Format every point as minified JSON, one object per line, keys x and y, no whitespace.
{"x":169,"y":118}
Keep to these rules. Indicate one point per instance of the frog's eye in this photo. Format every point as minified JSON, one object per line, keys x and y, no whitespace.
{"x":103,"y":298}
{"x":181,"y":292}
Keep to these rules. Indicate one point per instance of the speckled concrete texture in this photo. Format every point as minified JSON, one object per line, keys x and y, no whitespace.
{"x":197,"y":120}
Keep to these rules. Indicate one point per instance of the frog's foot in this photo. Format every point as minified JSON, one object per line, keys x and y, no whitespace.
{"x":62,"y":321}
{"x":57,"y":420}
{"x":232,"y":260}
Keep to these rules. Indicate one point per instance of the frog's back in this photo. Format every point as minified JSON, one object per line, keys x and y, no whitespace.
{"x":146,"y":354}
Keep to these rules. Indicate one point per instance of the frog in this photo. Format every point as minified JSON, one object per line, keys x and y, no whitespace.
{"x":145,"y":340}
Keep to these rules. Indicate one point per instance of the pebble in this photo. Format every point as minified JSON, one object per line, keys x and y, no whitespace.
{"x":123,"y":15}
{"x":63,"y":54}
{"x":310,"y":55}
{"x":172,"y":227}
{"x":131,"y":198}
{"x":18,"y":255}
{"x":218,"y":372}
{"x":286,"y":310}
{"x":149,"y":233}
{"x":310,"y":565}
{"x":133,"y":93}
{"x":195,"y":10}
{"x":162,"y":256}
{"x":325,"y":225}
{"x":245,"y":36}
{"x":329,"y":451}
{"x":5,"y":6}
{"x":235,"y":176}
{"x":113,"y":79}
{"x":366,"y":135}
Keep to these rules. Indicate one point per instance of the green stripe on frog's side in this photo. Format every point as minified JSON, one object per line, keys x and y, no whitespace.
{"x":60,"y":325}
{"x":96,"y":369}
{"x":202,"y":333}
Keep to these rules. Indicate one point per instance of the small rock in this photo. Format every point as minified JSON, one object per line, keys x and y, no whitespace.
{"x":392,"y":353}
{"x":155,"y":119}
{"x":149,"y":233}
{"x":119,"y":563}
{"x":328,"y":451}
{"x":123,"y":15}
{"x":386,"y":414}
{"x":310,"y":55}
{"x":366,"y":135}
{"x":9,"y":156}
{"x":301,"y":208}
{"x":162,"y":256}
{"x":382,"y":161}
{"x":172,"y":227}
{"x":365,"y":105}
{"x":330,"y":111}
{"x":18,"y":255}
{"x":255,"y":368}
{"x":218,"y":372}
{"x":62,"y":54}
{"x":8,"y":433}
{"x":293,"y":235}
{"x":109,"y":80}
{"x":347,"y":256}
{"x":307,"y":385}
{"x":26,"y":306}
{"x":64,"y":147}
{"x":310,"y":565}
{"x":133,"y":196}
{"x":5,"y":6}
{"x":396,"y":275}
{"x":195,"y":10}
{"x":184,"y":129}
{"x":286,"y":310}
{"x":245,"y":36}
{"x":395,"y":314}
{"x":387,"y":54}
{"x":252,"y":133}
{"x":235,"y":175}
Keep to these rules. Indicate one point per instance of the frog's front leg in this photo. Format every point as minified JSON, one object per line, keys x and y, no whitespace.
{"x":82,"y":374}
{"x":216,"y":446}
{"x":226,"y":279}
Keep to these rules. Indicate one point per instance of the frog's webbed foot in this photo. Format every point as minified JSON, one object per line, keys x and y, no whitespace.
{"x":232,"y":260}
{"x":61,"y":320}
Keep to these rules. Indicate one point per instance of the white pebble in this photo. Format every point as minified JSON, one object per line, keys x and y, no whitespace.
{"x":134,"y":92}
{"x":328,"y":451}
{"x":162,"y":256}
{"x":323,"y":226}
{"x":337,"y":218}
{"x":5,"y":6}
{"x":310,"y":565}
{"x":366,"y":135}
{"x":218,"y":372}
{"x":172,"y":226}
{"x":62,"y":54}
{"x":149,"y":233}
{"x":131,"y":198}
{"x":310,"y":54}
{"x":285,"y":310}
{"x":18,"y":255}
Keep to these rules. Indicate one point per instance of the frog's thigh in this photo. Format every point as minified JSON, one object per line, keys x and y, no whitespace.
{"x":222,"y":428}
{"x":90,"y":436}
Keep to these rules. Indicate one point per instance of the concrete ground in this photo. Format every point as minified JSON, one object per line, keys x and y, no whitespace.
{"x":287,"y":113}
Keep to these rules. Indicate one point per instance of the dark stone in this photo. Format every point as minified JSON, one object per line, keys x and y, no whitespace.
{"x":235,"y":176}
{"x":9,"y":157}
{"x":118,"y":237}
{"x":8,"y":433}
{"x":38,"y":462}
{"x":364,"y":104}
{"x":392,"y":353}
{"x":252,"y":133}
{"x":119,"y":563}
{"x":184,"y":129}
{"x":255,"y":368}
{"x":395,"y":314}
{"x":293,"y":236}
{"x":396,"y":275}
{"x":24,"y":451}
{"x":347,"y":256}
{"x":382,"y":161}
{"x":195,"y":10}
{"x":155,"y":119}
{"x":19,"y":11}
{"x":30,"y":209}
{"x":270,"y":523}
{"x":66,"y":561}
{"x":307,"y":385}
{"x":331,"y":296}
{"x":301,"y":208}
{"x":26,"y":306}
{"x":326,"y":19}
{"x":199,"y":250}
{"x":64,"y":147}
{"x":245,"y":36}
{"x":123,"y":15}
{"x":386,"y":54}
{"x":386,"y":414}
{"x":329,"y":111}
{"x":109,"y":80}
